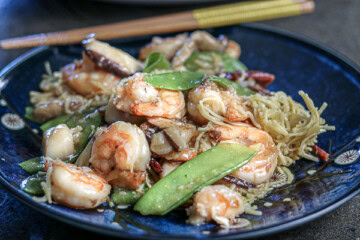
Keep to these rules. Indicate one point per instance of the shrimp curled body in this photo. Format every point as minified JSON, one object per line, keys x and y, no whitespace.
{"x":87,"y":79}
{"x":225,"y":103}
{"x":121,"y":151}
{"x":77,"y":187}
{"x":261,"y":167}
{"x":137,"y":97}
{"x":217,"y":203}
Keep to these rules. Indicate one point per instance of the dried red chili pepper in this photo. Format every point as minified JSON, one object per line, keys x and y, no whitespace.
{"x":320,"y":153}
{"x":260,"y":77}
{"x":239,"y":182}
{"x":155,"y":165}
{"x":233,"y":76}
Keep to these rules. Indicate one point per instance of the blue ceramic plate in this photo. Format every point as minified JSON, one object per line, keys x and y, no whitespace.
{"x":296,"y":62}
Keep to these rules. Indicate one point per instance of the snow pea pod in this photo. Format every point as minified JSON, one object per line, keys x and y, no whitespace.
{"x":125,"y":197}
{"x":240,"y":90}
{"x":205,"y":60}
{"x":178,"y":81}
{"x":88,"y":122}
{"x":54,"y":122}
{"x":33,"y":165}
{"x":32,"y":184}
{"x":205,"y":169}
{"x":156,"y":61}
{"x":29,"y":114}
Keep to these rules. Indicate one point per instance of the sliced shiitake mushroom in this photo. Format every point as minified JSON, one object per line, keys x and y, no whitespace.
{"x":149,"y":130}
{"x":111,"y":59}
{"x":112,"y":114}
{"x":178,"y":133}
{"x":179,"y":137}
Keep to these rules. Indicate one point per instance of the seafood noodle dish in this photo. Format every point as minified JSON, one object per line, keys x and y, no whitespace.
{"x":185,"y":125}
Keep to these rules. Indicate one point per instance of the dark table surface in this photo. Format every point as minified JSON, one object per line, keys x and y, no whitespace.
{"x":335,"y":23}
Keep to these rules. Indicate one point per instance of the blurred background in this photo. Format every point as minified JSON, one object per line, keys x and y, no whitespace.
{"x":335,"y":23}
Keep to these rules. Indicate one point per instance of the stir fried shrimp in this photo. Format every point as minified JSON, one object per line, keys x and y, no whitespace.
{"x":87,"y":79}
{"x":126,"y":179}
{"x":233,"y":50}
{"x":77,"y":187}
{"x":121,"y":147}
{"x":139,"y":98}
{"x":167,"y":46}
{"x":215,"y":203}
{"x":206,"y":42}
{"x":155,"y":148}
{"x":261,"y":167}
{"x":208,"y":102}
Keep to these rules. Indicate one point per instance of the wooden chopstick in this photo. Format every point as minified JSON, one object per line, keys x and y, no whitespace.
{"x":202,"y":18}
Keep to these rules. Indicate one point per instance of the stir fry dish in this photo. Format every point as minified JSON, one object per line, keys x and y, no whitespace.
{"x":185,"y":125}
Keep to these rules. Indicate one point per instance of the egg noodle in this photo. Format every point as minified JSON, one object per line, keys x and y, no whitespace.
{"x":293,"y":128}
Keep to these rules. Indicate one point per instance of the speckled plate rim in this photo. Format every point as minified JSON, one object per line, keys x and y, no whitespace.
{"x":275,"y":228}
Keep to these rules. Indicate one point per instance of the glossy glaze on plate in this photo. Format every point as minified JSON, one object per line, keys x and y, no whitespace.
{"x":297,"y":65}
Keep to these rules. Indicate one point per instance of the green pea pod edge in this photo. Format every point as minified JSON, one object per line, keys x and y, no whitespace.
{"x":33,"y":165}
{"x":231,"y":64}
{"x":240,"y":90}
{"x":178,"y":81}
{"x":54,"y":122}
{"x":180,"y":185}
{"x":32,"y":185}
{"x":125,"y":197}
{"x":29,"y":114}
{"x":204,"y":60}
{"x":89,"y":122}
{"x":156,"y":61}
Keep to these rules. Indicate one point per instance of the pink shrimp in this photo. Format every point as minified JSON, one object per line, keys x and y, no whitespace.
{"x":261,"y":167}
{"x":222,"y":102}
{"x":138,"y":97}
{"x":121,"y":153}
{"x":217,"y":203}
{"x":77,"y":187}
{"x":87,"y":79}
